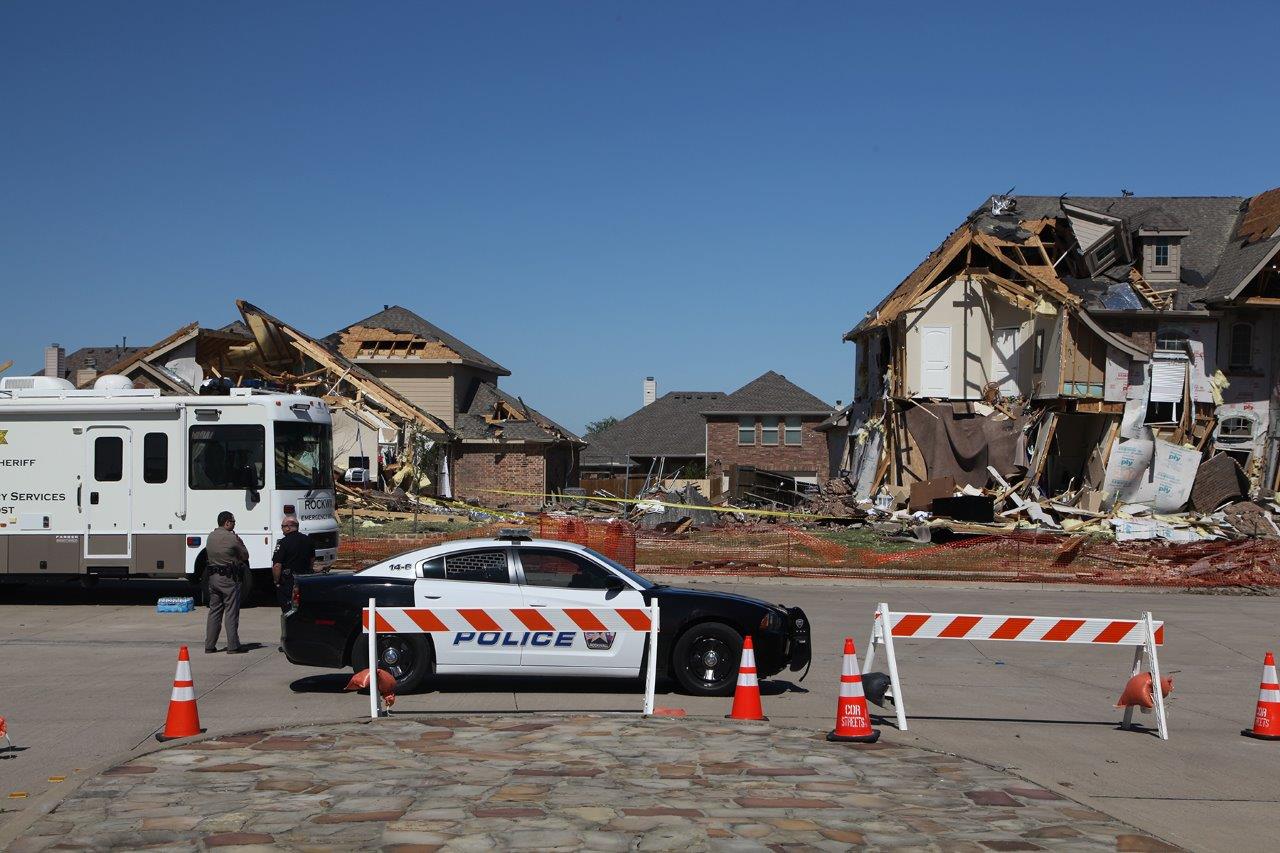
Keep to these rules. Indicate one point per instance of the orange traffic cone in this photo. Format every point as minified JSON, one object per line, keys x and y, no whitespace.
{"x":853,"y":721}
{"x":1266,"y":721}
{"x":183,"y":719}
{"x":746,"y":697}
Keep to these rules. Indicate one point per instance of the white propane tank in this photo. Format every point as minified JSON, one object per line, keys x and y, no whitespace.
{"x":113,"y":382}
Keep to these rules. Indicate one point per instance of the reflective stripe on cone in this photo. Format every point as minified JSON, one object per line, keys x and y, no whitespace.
{"x":183,"y":719}
{"x":853,"y":720}
{"x":746,"y":696}
{"x":1266,"y":719}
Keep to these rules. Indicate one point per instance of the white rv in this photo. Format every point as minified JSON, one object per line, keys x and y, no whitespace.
{"x":117,"y":482}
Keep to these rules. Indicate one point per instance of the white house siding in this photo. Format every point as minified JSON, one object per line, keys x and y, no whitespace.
{"x":972,"y":313}
{"x":352,"y":437}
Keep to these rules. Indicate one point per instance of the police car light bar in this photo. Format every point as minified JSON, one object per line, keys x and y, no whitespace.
{"x":515,"y":534}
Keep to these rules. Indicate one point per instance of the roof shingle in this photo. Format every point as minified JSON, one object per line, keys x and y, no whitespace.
{"x":770,"y":394}
{"x":671,"y":426}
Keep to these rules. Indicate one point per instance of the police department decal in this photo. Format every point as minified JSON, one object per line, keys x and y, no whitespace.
{"x":600,"y":641}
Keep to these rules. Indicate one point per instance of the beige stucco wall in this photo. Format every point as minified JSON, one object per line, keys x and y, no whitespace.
{"x":352,"y":437}
{"x":972,"y":312}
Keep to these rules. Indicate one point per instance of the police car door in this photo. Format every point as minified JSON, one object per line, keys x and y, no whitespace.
{"x":479,"y":583}
{"x":554,"y":579}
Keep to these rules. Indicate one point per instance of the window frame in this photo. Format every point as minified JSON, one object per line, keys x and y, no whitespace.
{"x":1038,"y":357}
{"x":1172,"y":335}
{"x":1235,"y":439}
{"x":100,"y":460}
{"x":765,"y":430}
{"x":1247,"y":363}
{"x":191,"y":457}
{"x":149,"y":457}
{"x":793,"y":424}
{"x":746,"y":422}
{"x":1159,"y":244}
{"x":611,"y":577}
{"x":505,"y":552}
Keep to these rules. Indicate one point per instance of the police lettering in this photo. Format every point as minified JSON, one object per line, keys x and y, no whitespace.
{"x":560,"y":639}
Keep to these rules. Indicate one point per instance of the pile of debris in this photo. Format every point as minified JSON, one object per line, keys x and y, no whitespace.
{"x":1179,"y":500}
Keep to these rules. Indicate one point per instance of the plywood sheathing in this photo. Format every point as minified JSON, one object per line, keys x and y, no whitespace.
{"x":369,"y":342}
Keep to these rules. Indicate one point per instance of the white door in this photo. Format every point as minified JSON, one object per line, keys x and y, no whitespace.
{"x":1004,"y":361}
{"x":107,"y":492}
{"x":480,"y":585}
{"x":556,"y":580}
{"x":935,"y":361}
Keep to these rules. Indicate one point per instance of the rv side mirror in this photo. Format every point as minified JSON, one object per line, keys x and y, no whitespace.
{"x":254,"y":496}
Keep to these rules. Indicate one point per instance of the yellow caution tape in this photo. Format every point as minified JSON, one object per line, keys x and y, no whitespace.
{"x":729,"y":509}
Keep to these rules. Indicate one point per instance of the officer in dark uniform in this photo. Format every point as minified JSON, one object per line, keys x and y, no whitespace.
{"x":295,"y":555}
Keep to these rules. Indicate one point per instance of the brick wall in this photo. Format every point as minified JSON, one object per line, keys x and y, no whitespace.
{"x":807,"y":460}
{"x":514,"y":468}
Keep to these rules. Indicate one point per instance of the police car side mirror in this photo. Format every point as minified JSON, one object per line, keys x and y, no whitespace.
{"x":613,"y":587}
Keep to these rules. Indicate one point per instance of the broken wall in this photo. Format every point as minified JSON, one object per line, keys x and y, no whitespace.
{"x":971,"y":314}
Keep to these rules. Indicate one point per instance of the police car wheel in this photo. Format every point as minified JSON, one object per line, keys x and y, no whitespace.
{"x":406,"y":657}
{"x":705,"y":659}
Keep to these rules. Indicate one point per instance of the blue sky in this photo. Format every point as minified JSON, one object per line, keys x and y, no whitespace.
{"x":587,"y":192}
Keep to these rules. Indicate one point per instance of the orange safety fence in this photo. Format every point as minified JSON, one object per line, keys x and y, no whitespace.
{"x":615,"y":539}
{"x":781,"y":550}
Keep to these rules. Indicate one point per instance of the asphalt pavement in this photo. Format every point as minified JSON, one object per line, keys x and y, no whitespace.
{"x":87,"y":676}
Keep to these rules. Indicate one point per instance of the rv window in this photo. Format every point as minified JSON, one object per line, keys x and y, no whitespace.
{"x":155,"y":457}
{"x":304,"y":456}
{"x":231,"y":456}
{"x":108,"y":459}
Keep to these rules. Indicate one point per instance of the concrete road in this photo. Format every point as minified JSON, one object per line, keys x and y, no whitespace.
{"x":87,"y":675}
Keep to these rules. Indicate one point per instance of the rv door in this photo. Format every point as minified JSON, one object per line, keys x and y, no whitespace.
{"x":108,"y":492}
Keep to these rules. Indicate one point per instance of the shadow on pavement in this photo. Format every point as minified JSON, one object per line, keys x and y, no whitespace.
{"x":336,"y":682}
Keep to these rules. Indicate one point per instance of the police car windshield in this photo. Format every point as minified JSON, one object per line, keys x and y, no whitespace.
{"x":644,"y":582}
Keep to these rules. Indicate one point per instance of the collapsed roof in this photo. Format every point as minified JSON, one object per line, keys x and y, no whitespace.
{"x":1225,"y":241}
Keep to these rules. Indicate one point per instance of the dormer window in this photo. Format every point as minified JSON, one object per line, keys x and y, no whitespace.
{"x":1161,"y":254}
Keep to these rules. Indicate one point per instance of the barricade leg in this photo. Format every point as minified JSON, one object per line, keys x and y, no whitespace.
{"x":651,"y":664}
{"x":1156,"y":692}
{"x":882,"y":632}
{"x":373,"y":659}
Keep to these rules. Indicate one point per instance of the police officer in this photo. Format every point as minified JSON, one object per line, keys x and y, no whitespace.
{"x":227,"y":560}
{"x":295,"y":555}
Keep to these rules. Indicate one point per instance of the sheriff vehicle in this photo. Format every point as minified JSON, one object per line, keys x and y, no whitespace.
{"x":118,"y":482}
{"x":700,"y":633}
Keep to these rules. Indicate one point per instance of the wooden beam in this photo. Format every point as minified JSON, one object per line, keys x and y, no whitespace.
{"x":1268,"y":301}
{"x":6,"y":365}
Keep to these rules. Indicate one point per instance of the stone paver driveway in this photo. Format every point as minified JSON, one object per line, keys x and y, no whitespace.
{"x":564,"y":782}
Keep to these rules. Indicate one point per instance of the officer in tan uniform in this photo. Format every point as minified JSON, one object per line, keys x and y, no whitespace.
{"x":227,"y":561}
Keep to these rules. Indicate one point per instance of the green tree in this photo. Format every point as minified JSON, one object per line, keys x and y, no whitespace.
{"x":601,"y":425}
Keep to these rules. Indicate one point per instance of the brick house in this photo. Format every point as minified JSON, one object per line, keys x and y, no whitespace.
{"x":499,"y":443}
{"x":769,"y":423}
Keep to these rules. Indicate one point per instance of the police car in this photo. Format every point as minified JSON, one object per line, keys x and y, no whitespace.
{"x":700,"y":633}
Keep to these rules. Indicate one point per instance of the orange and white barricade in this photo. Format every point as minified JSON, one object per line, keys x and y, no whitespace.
{"x":439,"y":620}
{"x":1145,"y":634}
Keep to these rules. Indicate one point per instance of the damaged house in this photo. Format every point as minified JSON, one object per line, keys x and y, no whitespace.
{"x":412,"y":406}
{"x":1097,"y":350}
